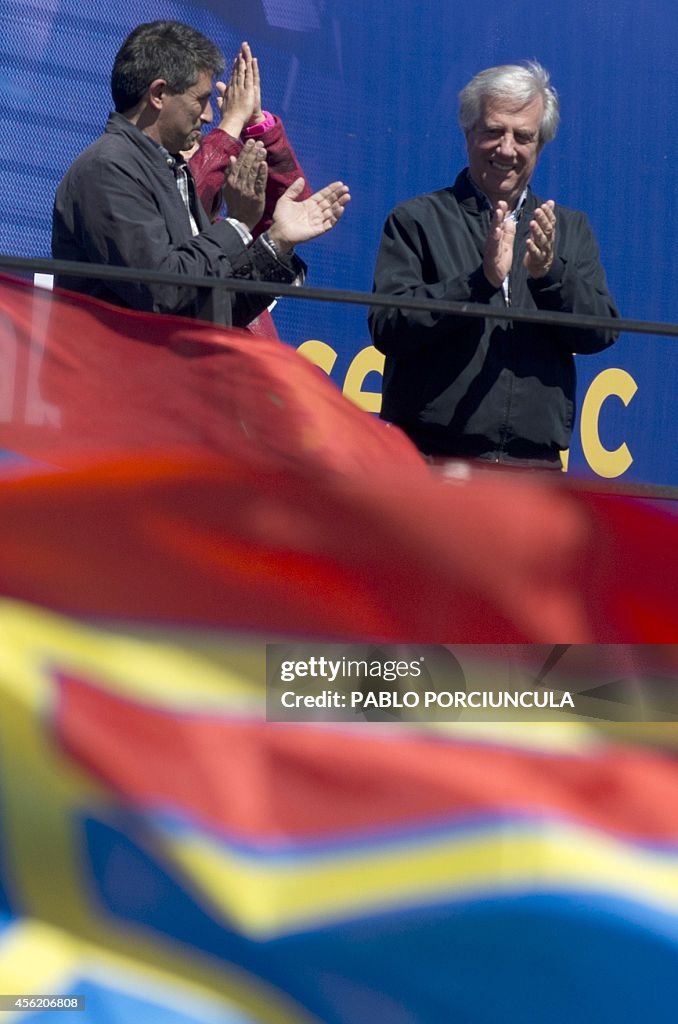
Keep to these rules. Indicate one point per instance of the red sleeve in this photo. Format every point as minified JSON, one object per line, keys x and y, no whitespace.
{"x":208,"y":166}
{"x":283,"y":169}
{"x":211,"y":160}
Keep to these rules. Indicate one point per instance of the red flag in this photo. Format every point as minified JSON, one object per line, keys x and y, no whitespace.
{"x":81,"y":376}
{"x":309,"y":516}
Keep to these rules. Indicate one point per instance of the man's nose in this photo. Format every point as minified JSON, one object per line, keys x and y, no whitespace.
{"x":507,"y":144}
{"x":207,"y":115}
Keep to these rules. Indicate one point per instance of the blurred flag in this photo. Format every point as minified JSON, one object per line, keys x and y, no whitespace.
{"x":172,"y":857}
{"x":81,"y":376}
{"x":277,"y":505}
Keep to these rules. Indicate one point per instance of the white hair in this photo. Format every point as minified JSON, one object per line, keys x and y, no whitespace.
{"x":517,"y":83}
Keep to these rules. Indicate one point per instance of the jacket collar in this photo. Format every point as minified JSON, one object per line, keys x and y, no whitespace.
{"x":118,"y":124}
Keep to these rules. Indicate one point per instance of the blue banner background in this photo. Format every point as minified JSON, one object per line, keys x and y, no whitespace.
{"x":368,"y":94}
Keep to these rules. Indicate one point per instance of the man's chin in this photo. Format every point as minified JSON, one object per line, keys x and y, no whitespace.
{"x":506,"y":188}
{"x":508,"y":184}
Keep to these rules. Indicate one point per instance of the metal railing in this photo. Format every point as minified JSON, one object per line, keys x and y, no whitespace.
{"x":348,"y":297}
{"x":359,"y":298}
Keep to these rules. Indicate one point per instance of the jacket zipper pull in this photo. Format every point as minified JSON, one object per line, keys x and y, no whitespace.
{"x":506,"y":290}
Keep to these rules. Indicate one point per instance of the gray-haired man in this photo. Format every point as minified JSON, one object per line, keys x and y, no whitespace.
{"x":494,"y":390}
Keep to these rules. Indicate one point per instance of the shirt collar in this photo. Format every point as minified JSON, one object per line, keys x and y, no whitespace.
{"x":485,"y":203}
{"x":176,"y":163}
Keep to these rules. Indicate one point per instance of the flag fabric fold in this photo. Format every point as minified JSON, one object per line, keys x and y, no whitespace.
{"x":282,"y":506}
{"x":204,"y":865}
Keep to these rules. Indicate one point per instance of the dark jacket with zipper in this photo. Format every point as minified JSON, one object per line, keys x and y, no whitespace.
{"x":119,"y":205}
{"x":470,"y":387}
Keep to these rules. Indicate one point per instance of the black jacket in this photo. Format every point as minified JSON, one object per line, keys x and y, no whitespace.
{"x":469,"y":387}
{"x":118,"y":204}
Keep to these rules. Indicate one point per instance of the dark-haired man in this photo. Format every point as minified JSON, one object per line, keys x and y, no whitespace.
{"x":129,"y":200}
{"x":496,"y":390}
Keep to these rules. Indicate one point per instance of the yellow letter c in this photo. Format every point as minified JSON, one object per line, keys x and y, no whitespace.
{"x":602,"y":461}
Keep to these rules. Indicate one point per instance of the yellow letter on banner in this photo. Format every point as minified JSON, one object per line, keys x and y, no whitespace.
{"x":319,"y":353}
{"x":602,"y":461}
{"x":365,"y":362}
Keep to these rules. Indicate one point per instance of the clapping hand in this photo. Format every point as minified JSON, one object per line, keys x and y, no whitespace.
{"x":295,"y":222}
{"x":239,"y":99}
{"x":245,"y":184}
{"x":541,"y":242}
{"x":498,"y":255}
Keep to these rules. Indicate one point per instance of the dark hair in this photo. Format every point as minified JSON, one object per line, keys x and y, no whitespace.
{"x":161,"y":49}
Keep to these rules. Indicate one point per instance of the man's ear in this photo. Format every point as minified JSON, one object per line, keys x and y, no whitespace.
{"x":157,"y":91}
